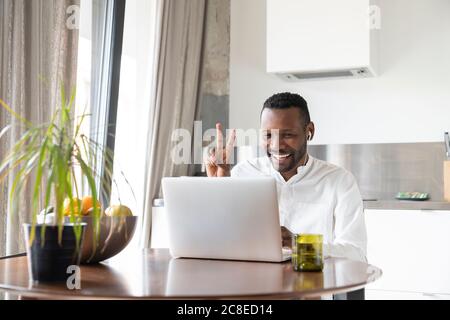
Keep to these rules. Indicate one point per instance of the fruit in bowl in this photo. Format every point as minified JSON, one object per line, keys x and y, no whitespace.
{"x":76,"y":203}
{"x":83,"y":206}
{"x":87,"y":205}
{"x":116,"y":225}
{"x":118,"y":211}
{"x":116,"y":228}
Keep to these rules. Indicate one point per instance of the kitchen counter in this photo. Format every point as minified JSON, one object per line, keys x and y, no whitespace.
{"x":406,"y":205}
{"x":383,"y":205}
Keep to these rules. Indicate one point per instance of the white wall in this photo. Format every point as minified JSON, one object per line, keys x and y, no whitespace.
{"x":408,"y":102}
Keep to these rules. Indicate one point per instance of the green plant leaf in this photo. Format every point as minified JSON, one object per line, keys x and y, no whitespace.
{"x":14,"y":114}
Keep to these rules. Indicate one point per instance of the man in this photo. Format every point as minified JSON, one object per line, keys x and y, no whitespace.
{"x":314,"y":196}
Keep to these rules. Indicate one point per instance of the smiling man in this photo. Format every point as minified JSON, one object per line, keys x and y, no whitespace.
{"x":313,"y":196}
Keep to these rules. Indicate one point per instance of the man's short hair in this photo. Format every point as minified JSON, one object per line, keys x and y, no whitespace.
{"x":287,"y":100}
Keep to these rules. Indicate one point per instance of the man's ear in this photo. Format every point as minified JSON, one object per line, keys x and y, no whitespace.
{"x":310,"y":129}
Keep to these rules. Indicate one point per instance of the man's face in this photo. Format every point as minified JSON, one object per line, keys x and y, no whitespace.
{"x":284,"y":138}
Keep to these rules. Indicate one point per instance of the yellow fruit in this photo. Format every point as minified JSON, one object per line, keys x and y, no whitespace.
{"x":87,"y":204}
{"x":118,"y":211}
{"x":90,"y":212}
{"x":68,"y":208}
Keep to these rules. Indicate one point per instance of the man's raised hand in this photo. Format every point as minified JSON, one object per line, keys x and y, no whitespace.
{"x":218,"y":159}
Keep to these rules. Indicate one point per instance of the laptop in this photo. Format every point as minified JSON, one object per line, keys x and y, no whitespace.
{"x":224,"y":218}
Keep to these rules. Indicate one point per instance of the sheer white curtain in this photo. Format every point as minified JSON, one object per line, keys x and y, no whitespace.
{"x":177,"y":66}
{"x":37,"y":55}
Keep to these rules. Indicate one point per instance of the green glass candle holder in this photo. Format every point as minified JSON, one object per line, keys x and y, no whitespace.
{"x":307,"y":252}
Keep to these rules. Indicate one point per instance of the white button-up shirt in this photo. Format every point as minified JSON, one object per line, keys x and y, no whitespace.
{"x":322,"y":199}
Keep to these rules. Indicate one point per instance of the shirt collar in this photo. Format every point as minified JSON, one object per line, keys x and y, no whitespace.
{"x":301,"y":171}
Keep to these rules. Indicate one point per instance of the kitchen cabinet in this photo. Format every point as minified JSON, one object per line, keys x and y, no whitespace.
{"x":322,"y":38}
{"x":412,"y":247}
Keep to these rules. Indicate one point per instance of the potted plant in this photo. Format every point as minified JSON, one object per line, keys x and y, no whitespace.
{"x":58,"y":162}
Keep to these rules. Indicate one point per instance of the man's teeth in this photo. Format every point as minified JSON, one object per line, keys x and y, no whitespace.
{"x":280,"y":156}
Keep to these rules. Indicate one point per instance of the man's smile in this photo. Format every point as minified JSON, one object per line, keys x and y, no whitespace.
{"x":281,"y":157}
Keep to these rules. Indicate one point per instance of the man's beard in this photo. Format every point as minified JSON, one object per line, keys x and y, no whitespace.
{"x":287,"y":159}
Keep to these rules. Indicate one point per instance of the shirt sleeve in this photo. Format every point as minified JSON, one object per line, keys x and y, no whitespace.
{"x":237,"y":171}
{"x":350,"y":235}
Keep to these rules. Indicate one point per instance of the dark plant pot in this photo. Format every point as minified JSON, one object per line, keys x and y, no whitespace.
{"x":48,"y":261}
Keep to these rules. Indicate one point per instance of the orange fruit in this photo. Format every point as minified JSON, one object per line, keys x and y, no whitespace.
{"x":68,"y":208}
{"x":87,"y":204}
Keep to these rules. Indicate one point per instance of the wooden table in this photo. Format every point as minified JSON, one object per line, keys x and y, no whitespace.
{"x":154,"y":274}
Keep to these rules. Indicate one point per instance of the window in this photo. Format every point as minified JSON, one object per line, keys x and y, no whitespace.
{"x":101,"y":35}
{"x":115,"y":74}
{"x":133,"y":114}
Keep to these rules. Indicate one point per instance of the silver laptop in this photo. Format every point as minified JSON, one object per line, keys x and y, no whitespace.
{"x":223,"y":218}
